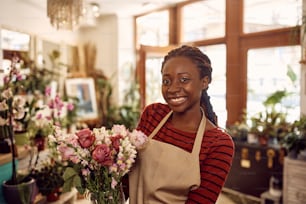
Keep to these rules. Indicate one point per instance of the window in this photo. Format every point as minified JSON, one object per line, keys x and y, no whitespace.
{"x":153,"y":29}
{"x":240,"y":79}
{"x":153,"y":80}
{"x":261,"y":15}
{"x":13,"y":44}
{"x":11,"y":40}
{"x":217,"y":88}
{"x":263,"y":64}
{"x":203,"y":20}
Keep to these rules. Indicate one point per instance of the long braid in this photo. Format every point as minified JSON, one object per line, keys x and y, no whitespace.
{"x":203,"y":63}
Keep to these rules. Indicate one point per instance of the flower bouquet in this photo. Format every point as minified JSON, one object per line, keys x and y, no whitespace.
{"x":97,"y":160}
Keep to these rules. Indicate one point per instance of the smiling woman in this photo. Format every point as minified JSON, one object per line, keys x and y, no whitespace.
{"x":183,"y":133}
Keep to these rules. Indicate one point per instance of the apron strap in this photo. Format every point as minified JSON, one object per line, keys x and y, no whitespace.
{"x":161,"y":123}
{"x":201,"y":129}
{"x":200,"y":132}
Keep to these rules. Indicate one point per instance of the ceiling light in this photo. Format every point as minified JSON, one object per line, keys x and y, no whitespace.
{"x":64,"y":14}
{"x":90,"y":13}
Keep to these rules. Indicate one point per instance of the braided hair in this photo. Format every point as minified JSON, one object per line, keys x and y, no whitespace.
{"x":204,"y":65}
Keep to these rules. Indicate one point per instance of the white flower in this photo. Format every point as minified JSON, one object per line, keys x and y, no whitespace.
{"x":139,"y":139}
{"x":3,"y":105}
{"x":7,"y":93}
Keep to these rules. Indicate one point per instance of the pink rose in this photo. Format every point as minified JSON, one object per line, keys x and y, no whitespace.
{"x":85,"y":137}
{"x":116,"y":141}
{"x":102,"y":154}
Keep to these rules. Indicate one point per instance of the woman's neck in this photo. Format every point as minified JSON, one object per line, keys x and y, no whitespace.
{"x":187,"y":121}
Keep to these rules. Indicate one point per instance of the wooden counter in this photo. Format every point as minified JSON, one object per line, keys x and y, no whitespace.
{"x":252,"y":168}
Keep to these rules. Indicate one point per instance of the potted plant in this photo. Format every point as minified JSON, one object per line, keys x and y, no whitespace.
{"x":49,"y":179}
{"x":12,"y":107}
{"x":295,"y":141}
{"x":270,"y":125}
{"x":19,"y":99}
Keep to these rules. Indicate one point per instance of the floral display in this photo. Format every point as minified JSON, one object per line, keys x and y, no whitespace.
{"x":11,"y":109}
{"x":98,"y":159}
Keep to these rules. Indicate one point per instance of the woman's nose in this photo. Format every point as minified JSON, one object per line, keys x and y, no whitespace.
{"x":174,"y":87}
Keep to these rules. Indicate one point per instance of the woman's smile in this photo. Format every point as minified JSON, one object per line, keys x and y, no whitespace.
{"x":176,"y":100}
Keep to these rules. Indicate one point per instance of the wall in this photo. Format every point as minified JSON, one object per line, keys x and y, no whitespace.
{"x":303,"y":74}
{"x":104,"y":37}
{"x":126,"y":54}
{"x":26,"y":16}
{"x":113,"y":37}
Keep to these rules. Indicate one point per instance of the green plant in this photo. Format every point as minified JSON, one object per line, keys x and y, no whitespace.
{"x":295,"y":141}
{"x":271,"y":123}
{"x":12,"y":109}
{"x":49,"y":177}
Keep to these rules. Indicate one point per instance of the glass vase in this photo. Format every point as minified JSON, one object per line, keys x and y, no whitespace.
{"x":113,"y":196}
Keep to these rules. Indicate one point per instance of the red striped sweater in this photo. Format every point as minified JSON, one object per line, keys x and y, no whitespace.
{"x":216,"y":153}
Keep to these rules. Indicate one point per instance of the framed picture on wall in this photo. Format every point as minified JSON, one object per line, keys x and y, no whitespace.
{"x":84,"y":90}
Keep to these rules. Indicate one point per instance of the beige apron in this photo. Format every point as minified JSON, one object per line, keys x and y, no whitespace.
{"x":164,"y":173}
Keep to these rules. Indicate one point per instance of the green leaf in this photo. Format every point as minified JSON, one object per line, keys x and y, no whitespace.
{"x":291,"y":74}
{"x":77,"y":181}
{"x":71,"y":179}
{"x":67,"y":186}
{"x":275,"y":98}
{"x":69,"y":173}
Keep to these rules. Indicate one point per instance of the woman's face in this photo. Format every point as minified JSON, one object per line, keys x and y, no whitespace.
{"x":181,"y":84}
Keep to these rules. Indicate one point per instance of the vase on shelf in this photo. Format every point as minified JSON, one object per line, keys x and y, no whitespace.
{"x":20,"y":193}
{"x":113,"y":196}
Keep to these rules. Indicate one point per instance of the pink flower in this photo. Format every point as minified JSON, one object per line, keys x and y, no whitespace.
{"x":139,"y":139}
{"x":51,"y":104}
{"x":116,"y":141}
{"x":102,"y":154}
{"x":66,"y":152}
{"x":6,"y":79}
{"x":70,"y":106}
{"x":19,"y":77}
{"x":114,"y":183}
{"x":48,"y":91}
{"x":39,"y":116}
{"x":85,"y":172}
{"x":85,"y":137}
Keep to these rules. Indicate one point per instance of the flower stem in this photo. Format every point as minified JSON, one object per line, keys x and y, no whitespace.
{"x":13,"y":150}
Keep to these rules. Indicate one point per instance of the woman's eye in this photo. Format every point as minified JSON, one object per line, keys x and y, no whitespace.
{"x":166,"y":82}
{"x":184,"y":79}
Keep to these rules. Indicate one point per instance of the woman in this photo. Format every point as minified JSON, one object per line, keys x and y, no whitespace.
{"x":188,"y":157}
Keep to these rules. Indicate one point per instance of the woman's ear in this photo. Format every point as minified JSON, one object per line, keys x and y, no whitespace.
{"x":205,"y":82}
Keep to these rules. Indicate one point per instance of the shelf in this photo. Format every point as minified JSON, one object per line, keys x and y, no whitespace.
{"x":5,"y":158}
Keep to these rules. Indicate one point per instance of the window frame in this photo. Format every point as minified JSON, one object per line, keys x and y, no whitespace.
{"x":237,"y":45}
